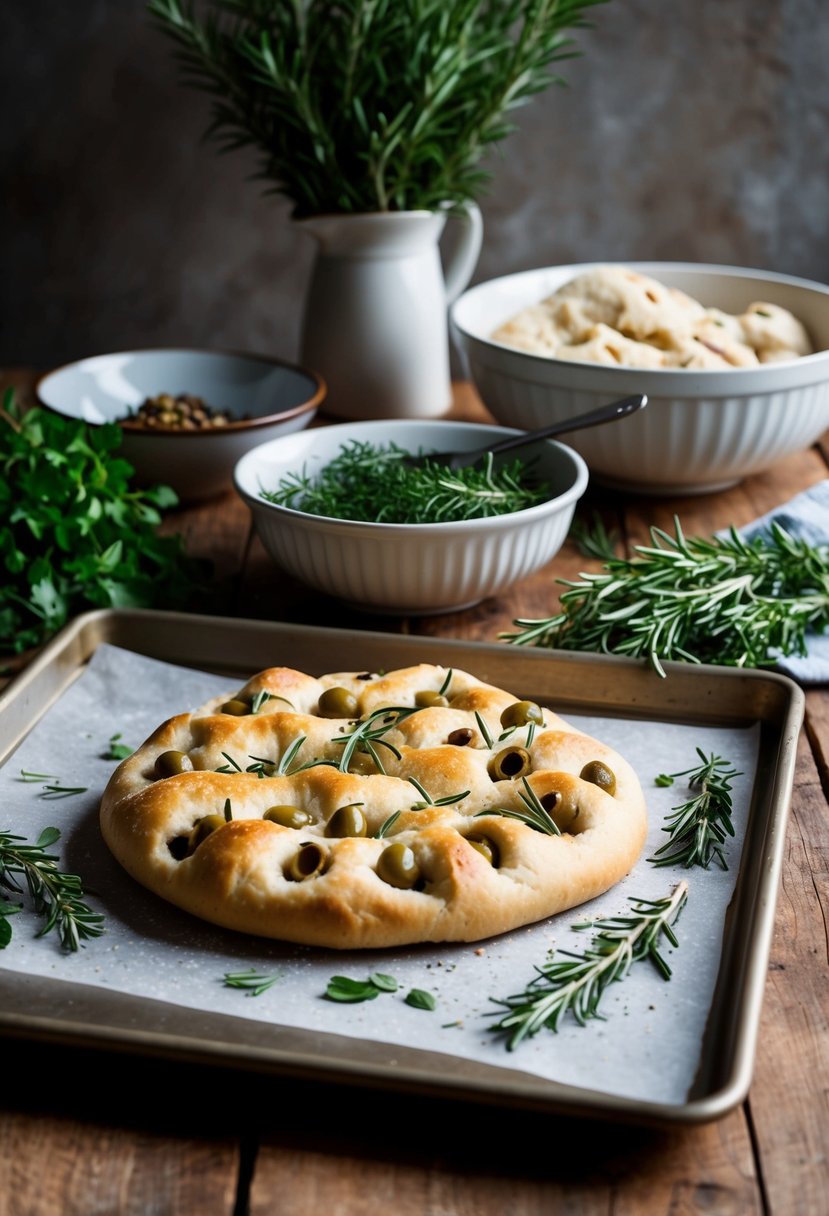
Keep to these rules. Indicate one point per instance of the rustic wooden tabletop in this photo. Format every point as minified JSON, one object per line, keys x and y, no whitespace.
{"x":86,"y":1132}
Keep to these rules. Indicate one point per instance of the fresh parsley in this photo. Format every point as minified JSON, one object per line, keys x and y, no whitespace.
{"x":74,"y":532}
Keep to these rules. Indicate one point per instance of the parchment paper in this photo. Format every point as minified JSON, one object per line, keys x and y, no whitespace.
{"x":648,"y":1047}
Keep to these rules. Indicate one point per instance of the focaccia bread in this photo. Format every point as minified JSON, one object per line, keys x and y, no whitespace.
{"x":371,"y":810}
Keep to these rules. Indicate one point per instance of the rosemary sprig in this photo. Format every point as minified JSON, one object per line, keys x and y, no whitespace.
{"x":428,"y":800}
{"x":252,"y":982}
{"x":56,"y":896}
{"x":578,"y":982}
{"x":697,"y":828}
{"x":724,"y":600}
{"x":370,"y":731}
{"x":534,"y":814}
{"x":52,"y":788}
{"x":374,"y":483}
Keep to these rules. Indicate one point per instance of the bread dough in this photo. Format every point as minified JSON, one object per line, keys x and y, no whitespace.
{"x":425,"y":783}
{"x":614,"y":315}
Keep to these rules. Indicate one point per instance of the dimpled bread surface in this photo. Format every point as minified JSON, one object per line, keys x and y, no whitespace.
{"x":473,"y":871}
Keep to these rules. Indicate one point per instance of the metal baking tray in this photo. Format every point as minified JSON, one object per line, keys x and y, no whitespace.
{"x":38,"y":1009}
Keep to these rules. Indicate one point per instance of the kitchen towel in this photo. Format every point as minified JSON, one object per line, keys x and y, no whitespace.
{"x":805,"y":516}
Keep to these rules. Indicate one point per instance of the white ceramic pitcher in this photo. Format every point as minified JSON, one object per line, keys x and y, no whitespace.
{"x":375,"y":321}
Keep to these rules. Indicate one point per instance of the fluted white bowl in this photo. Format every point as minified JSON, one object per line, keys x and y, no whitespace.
{"x":407,"y":568}
{"x":702,"y":430}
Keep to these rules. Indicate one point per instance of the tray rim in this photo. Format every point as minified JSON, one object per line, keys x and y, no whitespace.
{"x":781,"y":705}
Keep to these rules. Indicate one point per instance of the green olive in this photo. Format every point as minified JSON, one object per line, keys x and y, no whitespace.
{"x":338,"y":703}
{"x":487,"y":848}
{"x":202,"y":828}
{"x":427,"y":699}
{"x":521,"y":713}
{"x":398,"y":867}
{"x":309,"y":862}
{"x":168,"y":764}
{"x":347,"y":821}
{"x":287,"y":816}
{"x":461,"y":737}
{"x":237,"y":707}
{"x":562,"y":806}
{"x":510,"y":763}
{"x":599,"y":774}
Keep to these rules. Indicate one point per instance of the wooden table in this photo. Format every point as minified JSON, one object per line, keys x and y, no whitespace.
{"x":86,"y":1133}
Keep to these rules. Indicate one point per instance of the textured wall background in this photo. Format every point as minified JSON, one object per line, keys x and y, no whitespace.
{"x":691,"y":129}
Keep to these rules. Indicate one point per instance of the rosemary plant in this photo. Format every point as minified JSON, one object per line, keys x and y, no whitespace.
{"x":366,"y":482}
{"x":578,"y":982}
{"x":56,"y":896}
{"x":369,"y":105}
{"x":697,"y":828}
{"x":724,"y":600}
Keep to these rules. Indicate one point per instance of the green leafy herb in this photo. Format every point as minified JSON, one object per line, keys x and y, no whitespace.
{"x":369,"y":105}
{"x":52,"y":788}
{"x":369,"y":732}
{"x":55,"y":895}
{"x":74,"y":533}
{"x":371,"y":483}
{"x":418,"y":999}
{"x":252,"y":982}
{"x":386,"y":983}
{"x":594,"y":540}
{"x":578,"y":982}
{"x":118,"y":750}
{"x":228,"y":811}
{"x":6,"y":910}
{"x":533,"y":814}
{"x":428,"y":800}
{"x":387,"y":825}
{"x":664,"y":780}
{"x":697,"y":829}
{"x":351,"y":992}
{"x":725,"y":600}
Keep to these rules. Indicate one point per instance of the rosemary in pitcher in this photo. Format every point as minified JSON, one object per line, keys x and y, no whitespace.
{"x":375,"y":484}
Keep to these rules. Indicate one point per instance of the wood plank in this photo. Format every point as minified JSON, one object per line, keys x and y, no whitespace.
{"x":63,"y":1167}
{"x":789,"y":1100}
{"x":486,"y":1164}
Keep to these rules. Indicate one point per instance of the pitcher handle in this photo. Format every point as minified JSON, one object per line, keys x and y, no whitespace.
{"x":464,"y":257}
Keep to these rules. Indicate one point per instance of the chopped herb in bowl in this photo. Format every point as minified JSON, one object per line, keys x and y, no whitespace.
{"x":376,"y":484}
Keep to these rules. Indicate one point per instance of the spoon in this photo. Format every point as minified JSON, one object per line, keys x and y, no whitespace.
{"x":605,"y":413}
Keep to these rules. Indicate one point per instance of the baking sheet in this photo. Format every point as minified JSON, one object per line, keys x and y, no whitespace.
{"x":650,"y":1049}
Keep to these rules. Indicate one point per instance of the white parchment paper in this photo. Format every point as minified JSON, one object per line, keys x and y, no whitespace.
{"x":648,"y":1047}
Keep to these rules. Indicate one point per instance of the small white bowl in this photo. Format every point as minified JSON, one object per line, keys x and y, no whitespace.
{"x":702,"y":430}
{"x":265,"y":398}
{"x":407,"y":568}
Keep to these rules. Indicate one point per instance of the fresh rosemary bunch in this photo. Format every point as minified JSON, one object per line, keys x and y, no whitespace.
{"x":697,"y":828}
{"x":725,"y":600}
{"x":56,"y":895}
{"x":578,"y":982}
{"x":365,"y":482}
{"x":368,"y":105}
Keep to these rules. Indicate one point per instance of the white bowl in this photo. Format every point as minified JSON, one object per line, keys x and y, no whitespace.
{"x":702,"y":430}
{"x":264,"y":396}
{"x":407,"y":568}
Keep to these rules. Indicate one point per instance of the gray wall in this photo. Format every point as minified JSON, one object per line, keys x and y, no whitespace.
{"x":691,"y":129}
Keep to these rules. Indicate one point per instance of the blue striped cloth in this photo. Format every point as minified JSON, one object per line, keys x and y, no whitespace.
{"x":805,"y":516}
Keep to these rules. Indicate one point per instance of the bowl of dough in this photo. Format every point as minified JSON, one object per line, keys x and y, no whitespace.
{"x":381,"y":561}
{"x":735,"y":364}
{"x":186,"y":415}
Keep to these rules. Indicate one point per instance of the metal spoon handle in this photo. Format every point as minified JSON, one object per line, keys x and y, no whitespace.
{"x":605,"y":413}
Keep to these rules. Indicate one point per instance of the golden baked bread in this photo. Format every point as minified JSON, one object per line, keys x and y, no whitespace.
{"x":368,"y":810}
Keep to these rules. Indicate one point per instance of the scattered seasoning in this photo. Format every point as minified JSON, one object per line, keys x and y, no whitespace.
{"x":697,"y":829}
{"x":52,"y":788}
